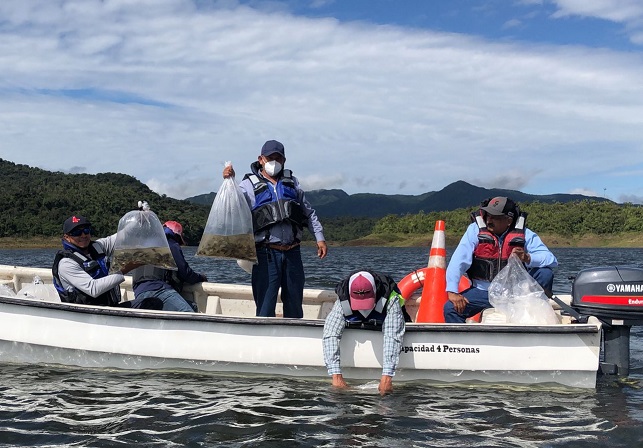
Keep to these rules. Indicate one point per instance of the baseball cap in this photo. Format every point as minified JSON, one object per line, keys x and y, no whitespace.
{"x":271,"y":147}
{"x":499,"y":205}
{"x":75,"y":221}
{"x":177,"y":228}
{"x":361,"y":288}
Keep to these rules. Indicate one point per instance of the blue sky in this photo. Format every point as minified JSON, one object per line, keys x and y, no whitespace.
{"x":394,"y":97}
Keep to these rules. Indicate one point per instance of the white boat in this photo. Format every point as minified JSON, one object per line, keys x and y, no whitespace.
{"x":227,"y":337}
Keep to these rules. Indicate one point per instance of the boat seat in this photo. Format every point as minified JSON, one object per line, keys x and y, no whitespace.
{"x":324,"y":309}
{"x":491,"y":316}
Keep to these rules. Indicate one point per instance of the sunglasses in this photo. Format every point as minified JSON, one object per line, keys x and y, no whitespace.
{"x":79,"y":232}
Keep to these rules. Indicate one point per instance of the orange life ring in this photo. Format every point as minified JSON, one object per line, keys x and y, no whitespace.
{"x":415,"y":280}
{"x":412,"y":282}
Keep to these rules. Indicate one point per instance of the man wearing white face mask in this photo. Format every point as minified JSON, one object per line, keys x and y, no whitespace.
{"x":280,"y":212}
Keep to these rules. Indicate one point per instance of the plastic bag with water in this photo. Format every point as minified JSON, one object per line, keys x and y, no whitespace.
{"x":141,"y":239}
{"x":7,"y":291}
{"x":39,"y":291}
{"x":518,"y":296}
{"x":228,"y":232}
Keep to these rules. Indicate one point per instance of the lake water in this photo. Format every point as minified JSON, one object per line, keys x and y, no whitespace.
{"x":45,"y":406}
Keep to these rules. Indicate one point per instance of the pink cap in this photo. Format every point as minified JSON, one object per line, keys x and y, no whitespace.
{"x":175,"y":227}
{"x":361,"y":287}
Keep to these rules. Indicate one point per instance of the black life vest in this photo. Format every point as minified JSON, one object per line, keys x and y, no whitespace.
{"x":489,"y":257}
{"x":96,"y":265}
{"x":273,"y":205}
{"x":386,"y":290}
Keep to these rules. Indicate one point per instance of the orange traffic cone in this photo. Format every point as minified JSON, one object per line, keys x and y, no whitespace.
{"x":434,"y":291}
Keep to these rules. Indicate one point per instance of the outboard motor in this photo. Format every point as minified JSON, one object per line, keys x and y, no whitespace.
{"x":613,"y":294}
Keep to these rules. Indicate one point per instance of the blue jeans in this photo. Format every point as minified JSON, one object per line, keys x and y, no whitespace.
{"x":479,"y":299}
{"x":278,"y":269}
{"x":166,"y":299}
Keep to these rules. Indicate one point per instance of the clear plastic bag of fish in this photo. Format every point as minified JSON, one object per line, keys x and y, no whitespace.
{"x":228,"y":232}
{"x":39,"y":290}
{"x":7,"y":291}
{"x":515,"y":293}
{"x":140,"y":239}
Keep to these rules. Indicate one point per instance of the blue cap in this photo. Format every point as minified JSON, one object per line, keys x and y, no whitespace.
{"x":272,"y":147}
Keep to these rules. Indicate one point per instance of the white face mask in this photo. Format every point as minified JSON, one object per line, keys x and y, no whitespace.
{"x":272,"y":167}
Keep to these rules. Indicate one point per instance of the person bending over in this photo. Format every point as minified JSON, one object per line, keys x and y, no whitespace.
{"x":365,"y":298}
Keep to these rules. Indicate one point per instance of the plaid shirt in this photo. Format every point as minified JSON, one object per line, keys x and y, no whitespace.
{"x":393,"y":329}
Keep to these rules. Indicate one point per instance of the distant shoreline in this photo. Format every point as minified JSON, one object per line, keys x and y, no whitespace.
{"x":618,"y":240}
{"x":29,"y":243}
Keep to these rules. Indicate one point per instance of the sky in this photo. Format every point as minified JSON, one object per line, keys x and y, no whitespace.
{"x":367,"y":96}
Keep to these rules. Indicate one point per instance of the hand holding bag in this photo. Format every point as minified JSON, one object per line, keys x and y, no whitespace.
{"x":228,"y":232}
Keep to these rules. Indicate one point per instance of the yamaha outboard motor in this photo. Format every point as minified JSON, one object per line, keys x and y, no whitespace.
{"x":614,"y":294}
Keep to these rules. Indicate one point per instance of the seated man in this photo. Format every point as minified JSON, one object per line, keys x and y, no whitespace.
{"x":81,"y":270}
{"x":498,"y":230}
{"x":157,"y":288}
{"x":365,"y":298}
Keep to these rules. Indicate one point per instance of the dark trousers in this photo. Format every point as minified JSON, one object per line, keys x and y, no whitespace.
{"x":479,"y":299}
{"x":278,"y":269}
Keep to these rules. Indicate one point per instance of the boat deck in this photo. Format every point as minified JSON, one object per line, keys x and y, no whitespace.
{"x":224,"y":299}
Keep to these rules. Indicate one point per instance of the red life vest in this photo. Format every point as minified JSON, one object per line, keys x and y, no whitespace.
{"x":489,"y":257}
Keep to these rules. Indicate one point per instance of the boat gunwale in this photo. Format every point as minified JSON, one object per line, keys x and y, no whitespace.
{"x":281,"y":321}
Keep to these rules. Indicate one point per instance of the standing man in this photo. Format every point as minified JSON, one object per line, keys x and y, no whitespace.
{"x":498,"y":230}
{"x":372,"y":299}
{"x":280,"y":212}
{"x":81,"y":270}
{"x":157,"y":288}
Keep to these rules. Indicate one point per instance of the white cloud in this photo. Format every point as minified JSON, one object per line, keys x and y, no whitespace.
{"x":627,"y":12}
{"x":513,"y":23}
{"x":322,"y":182}
{"x":634,"y":199}
{"x":614,"y":10}
{"x":167,"y":92}
{"x":320,"y":3}
{"x":585,"y":192}
{"x":511,"y":180}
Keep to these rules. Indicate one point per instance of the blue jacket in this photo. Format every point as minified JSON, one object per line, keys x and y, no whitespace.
{"x":462,"y":257}
{"x":184,"y":273}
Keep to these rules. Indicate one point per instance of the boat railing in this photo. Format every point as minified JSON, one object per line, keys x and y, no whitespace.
{"x":215,"y":298}
{"x":211,"y":298}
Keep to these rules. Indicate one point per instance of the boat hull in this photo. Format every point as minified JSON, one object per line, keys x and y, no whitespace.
{"x":32,"y":331}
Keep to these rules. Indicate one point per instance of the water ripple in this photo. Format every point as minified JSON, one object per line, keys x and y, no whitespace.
{"x":43,"y":406}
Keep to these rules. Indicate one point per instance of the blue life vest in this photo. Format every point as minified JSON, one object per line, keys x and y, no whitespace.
{"x":273,"y":205}
{"x":96,"y":265}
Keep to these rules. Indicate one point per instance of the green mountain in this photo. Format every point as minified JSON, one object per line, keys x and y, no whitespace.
{"x":460,"y":194}
{"x":35,"y":202}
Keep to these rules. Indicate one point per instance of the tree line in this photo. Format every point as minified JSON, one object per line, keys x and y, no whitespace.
{"x":566,"y":219}
{"x":35,"y":202}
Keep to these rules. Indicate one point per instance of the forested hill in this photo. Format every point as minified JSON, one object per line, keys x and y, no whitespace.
{"x":35,"y":202}
{"x":460,"y":194}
